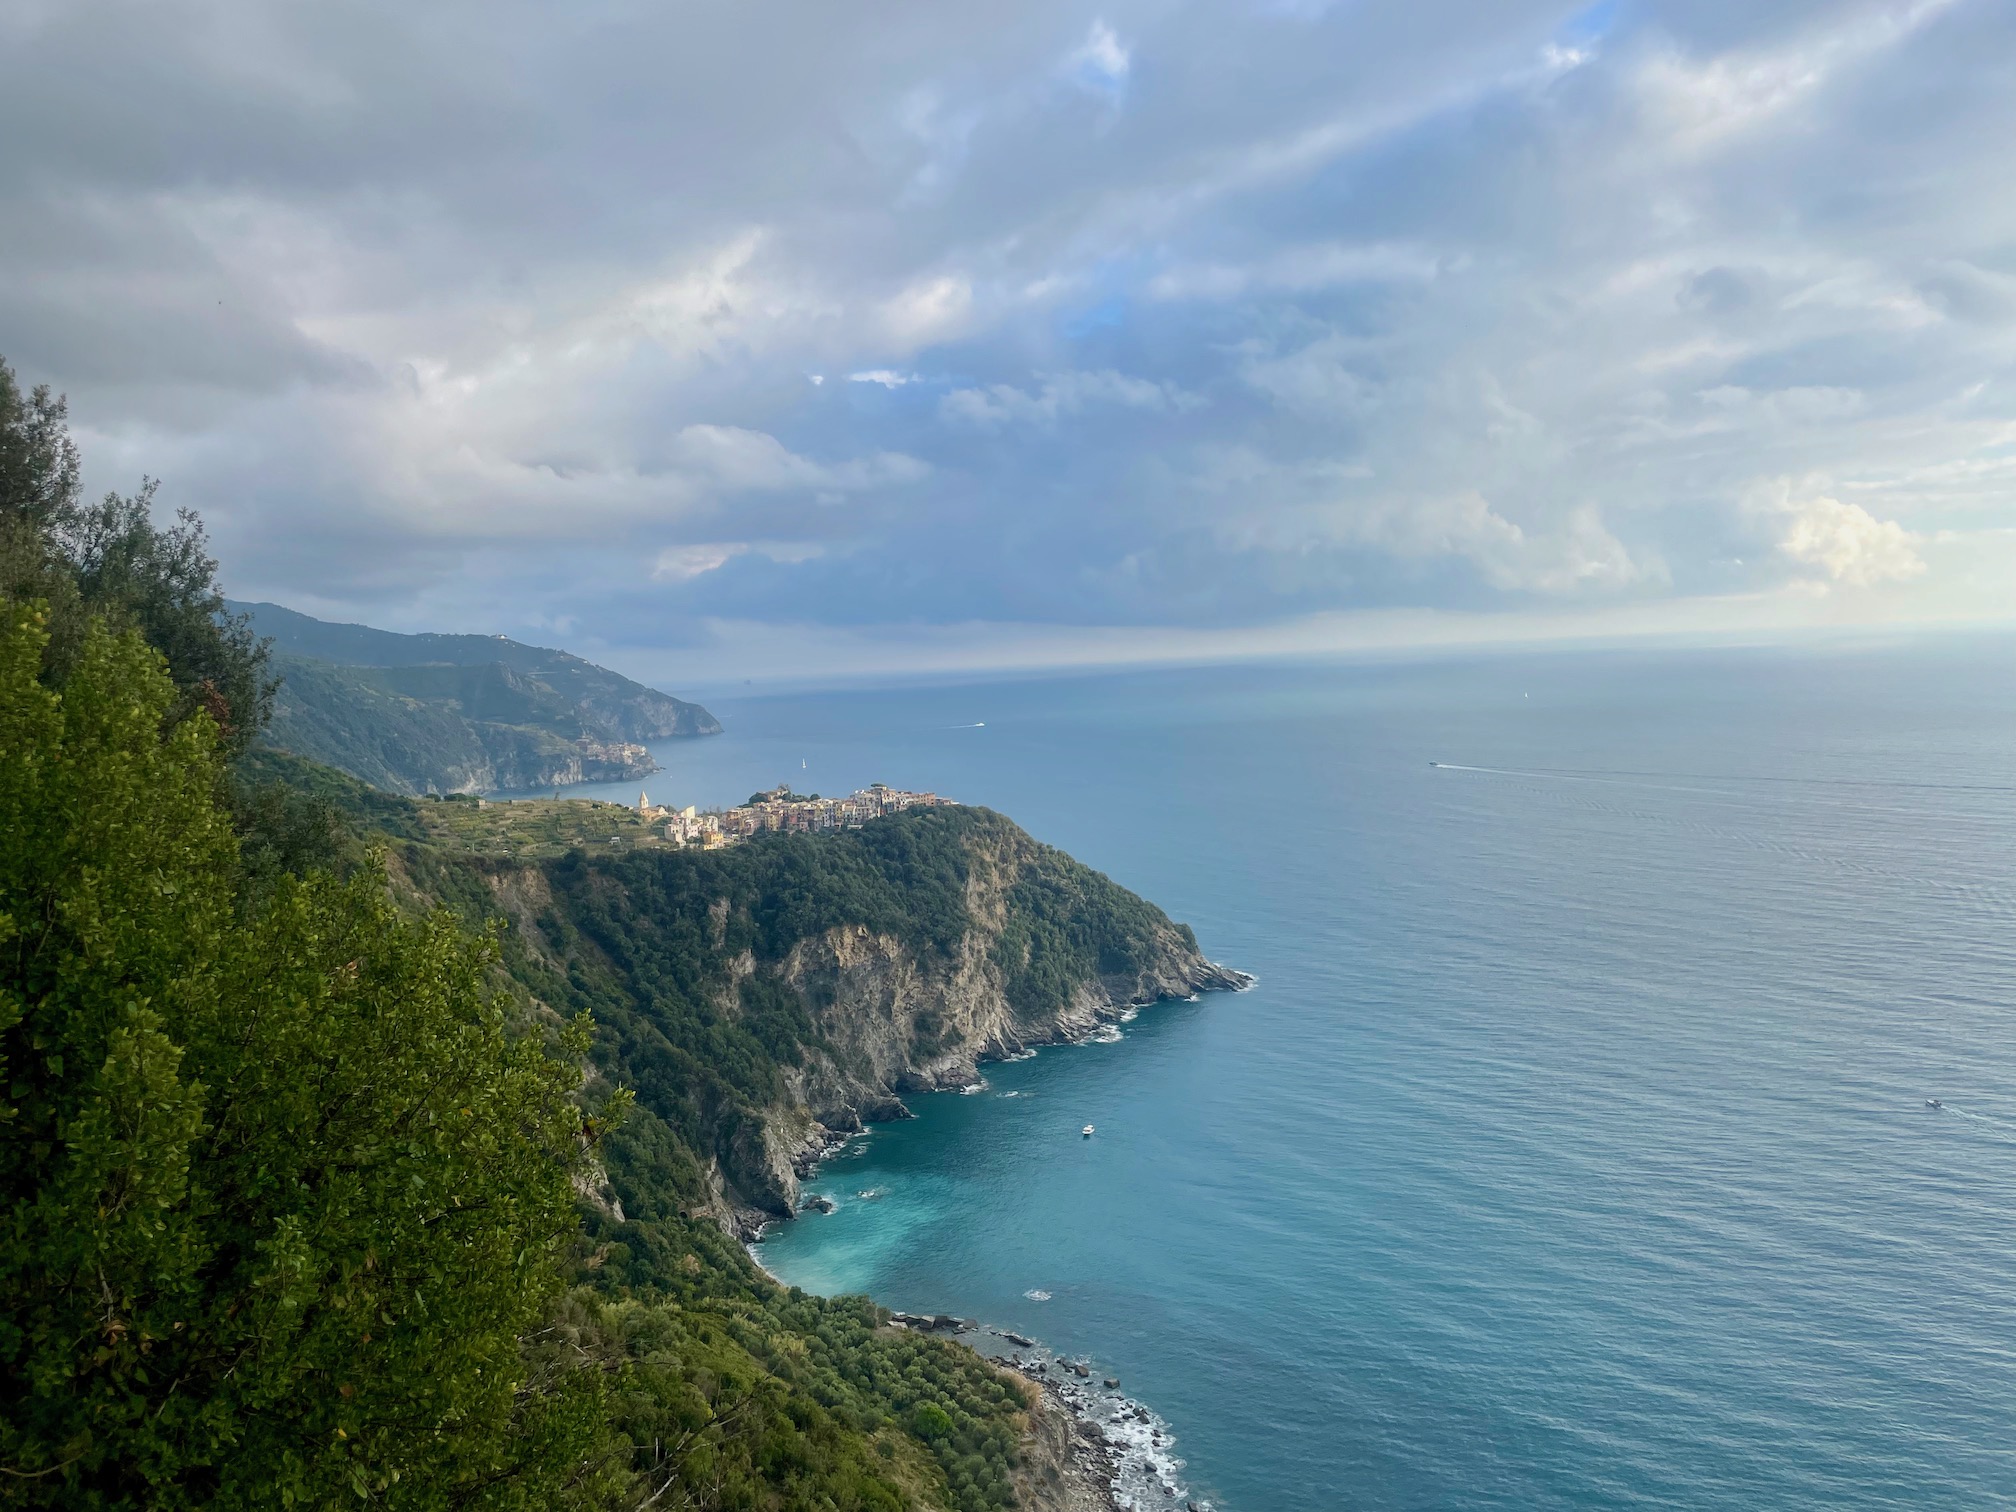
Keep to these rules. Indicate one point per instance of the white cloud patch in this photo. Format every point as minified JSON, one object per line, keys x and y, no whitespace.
{"x":1101,"y":63}
{"x":679,"y":564}
{"x":682,"y":564}
{"x":930,"y":309}
{"x":1849,"y":545}
{"x":1705,"y":104}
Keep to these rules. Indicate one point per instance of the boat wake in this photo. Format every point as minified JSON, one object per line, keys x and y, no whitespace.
{"x":1970,"y":1115}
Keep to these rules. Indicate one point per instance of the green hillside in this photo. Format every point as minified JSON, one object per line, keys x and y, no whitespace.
{"x":458,"y":713}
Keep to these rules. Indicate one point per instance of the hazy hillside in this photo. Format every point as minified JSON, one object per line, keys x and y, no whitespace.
{"x":459,"y":713}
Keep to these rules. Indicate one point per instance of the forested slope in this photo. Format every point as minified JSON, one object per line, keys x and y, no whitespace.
{"x":457,"y":713}
{"x":765,"y":998}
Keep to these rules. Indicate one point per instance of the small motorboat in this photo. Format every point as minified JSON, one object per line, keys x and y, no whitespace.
{"x":1933,"y":1102}
{"x":1087,"y":1131}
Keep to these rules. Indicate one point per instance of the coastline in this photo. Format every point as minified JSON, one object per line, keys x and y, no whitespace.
{"x":818,"y":1139}
{"x":1075,"y":1455}
{"x":1089,"y":1448}
{"x":1117,"y":1443}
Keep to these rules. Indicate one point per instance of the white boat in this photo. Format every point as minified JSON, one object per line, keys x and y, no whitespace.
{"x":1088,"y":1131}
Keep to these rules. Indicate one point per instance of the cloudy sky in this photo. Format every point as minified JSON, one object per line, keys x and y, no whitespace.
{"x":746,"y":335}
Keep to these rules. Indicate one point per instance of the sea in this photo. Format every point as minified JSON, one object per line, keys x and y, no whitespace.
{"x":1576,"y":1146}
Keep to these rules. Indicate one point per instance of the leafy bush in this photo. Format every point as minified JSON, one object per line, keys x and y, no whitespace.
{"x":278,"y":1195}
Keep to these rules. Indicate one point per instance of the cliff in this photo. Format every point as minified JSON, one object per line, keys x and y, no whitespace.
{"x":459,"y":713}
{"x":1063,"y":1465}
{"x":627,"y":709}
{"x":766,"y":1000}
{"x":761,"y":1001}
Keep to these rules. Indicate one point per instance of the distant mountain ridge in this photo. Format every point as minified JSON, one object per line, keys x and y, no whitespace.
{"x":459,"y":713}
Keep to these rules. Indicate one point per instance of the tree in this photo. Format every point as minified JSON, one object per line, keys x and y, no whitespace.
{"x":163,"y":583}
{"x":38,"y":461}
{"x":110,"y":561}
{"x":280,"y":1199}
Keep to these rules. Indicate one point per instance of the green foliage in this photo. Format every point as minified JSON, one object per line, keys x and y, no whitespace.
{"x":595,"y":696}
{"x":39,"y":465}
{"x":768,"y":1398}
{"x":278,"y":1195}
{"x":284,"y":1199}
{"x":538,"y":828}
{"x":163,"y":583}
{"x":420,"y":729}
{"x":363,"y":811}
{"x":1066,"y":924}
{"x":645,"y":940}
{"x":294,"y":817}
{"x":424,"y":713}
{"x":109,"y":561}
{"x":751,"y":1395}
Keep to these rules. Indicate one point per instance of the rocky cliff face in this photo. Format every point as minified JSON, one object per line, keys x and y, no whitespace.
{"x":513,"y":760}
{"x":893,"y":1024}
{"x":447,"y":729}
{"x":766,"y":1000}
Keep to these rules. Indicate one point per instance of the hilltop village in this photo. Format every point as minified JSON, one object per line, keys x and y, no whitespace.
{"x":781,"y":809}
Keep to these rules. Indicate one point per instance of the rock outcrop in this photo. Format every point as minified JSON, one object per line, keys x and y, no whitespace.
{"x":1064,"y":1465}
{"x":768,"y":1001}
{"x":891,"y":1023}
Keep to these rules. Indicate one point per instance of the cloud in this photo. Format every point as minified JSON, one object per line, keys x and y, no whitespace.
{"x":1080,"y":318}
{"x":1100,"y":64}
{"x":1848,"y":544}
{"x":681,"y":563}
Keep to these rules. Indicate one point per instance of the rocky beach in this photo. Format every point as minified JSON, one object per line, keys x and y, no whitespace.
{"x":1090,"y":1447}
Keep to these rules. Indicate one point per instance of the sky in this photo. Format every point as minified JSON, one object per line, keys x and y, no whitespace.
{"x":776,"y":337}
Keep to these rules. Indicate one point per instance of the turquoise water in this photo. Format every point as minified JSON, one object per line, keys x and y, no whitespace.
{"x":1573,"y":1149}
